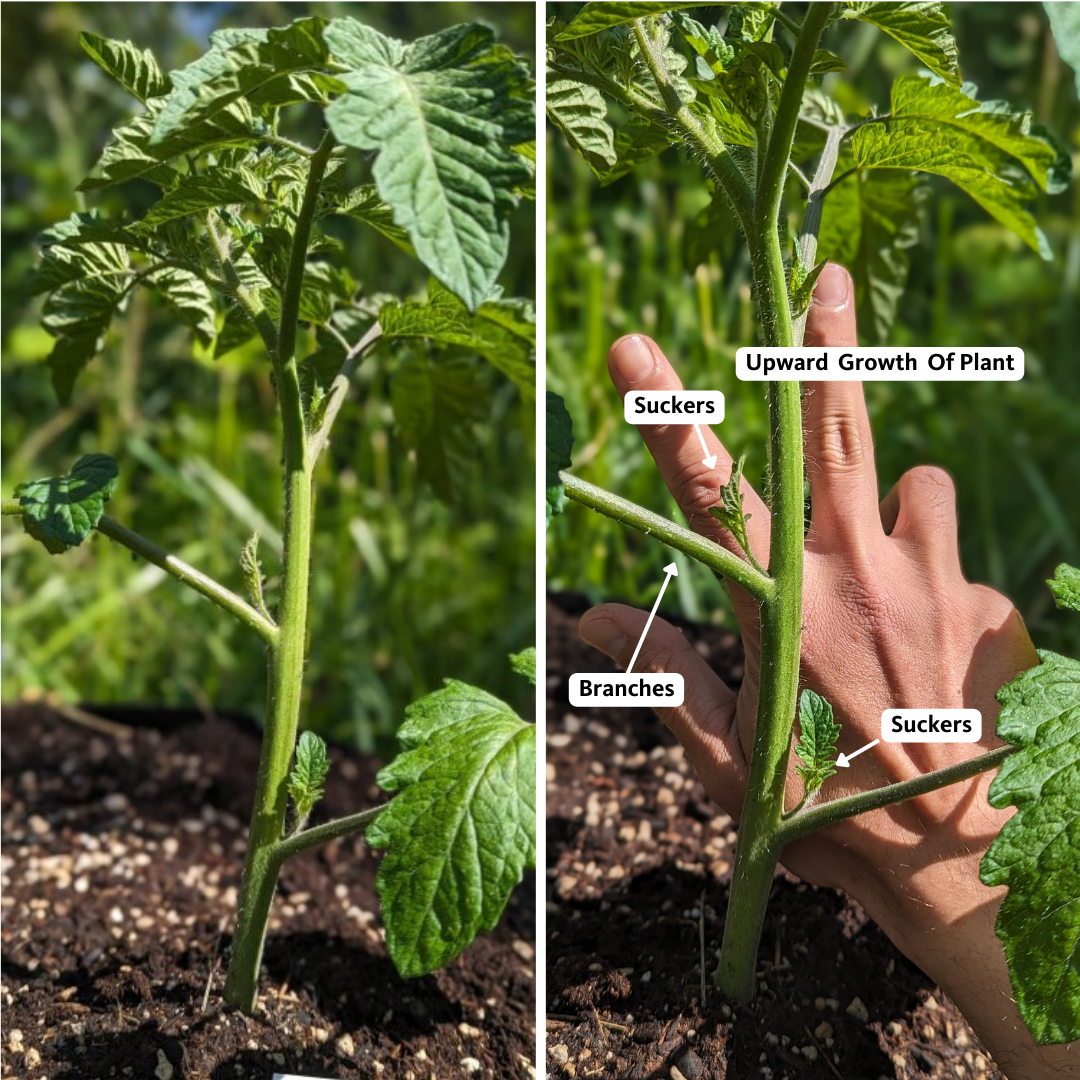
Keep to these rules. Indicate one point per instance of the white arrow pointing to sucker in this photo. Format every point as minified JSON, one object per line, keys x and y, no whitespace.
{"x":844,"y":760}
{"x":708,"y":459}
{"x":672,"y":571}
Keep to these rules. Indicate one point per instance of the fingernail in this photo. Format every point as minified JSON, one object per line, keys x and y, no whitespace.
{"x":833,"y":287}
{"x":634,"y":359}
{"x":604,"y":635}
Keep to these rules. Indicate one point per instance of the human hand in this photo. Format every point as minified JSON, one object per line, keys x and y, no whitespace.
{"x":888,"y":622}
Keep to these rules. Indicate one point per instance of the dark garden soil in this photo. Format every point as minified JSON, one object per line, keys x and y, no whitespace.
{"x":639,"y":864}
{"x":121,"y":858}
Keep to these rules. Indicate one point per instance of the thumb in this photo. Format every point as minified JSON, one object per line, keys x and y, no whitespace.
{"x":705,"y":722}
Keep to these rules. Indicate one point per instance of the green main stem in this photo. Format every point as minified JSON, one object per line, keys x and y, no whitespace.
{"x":286,"y":654}
{"x":781,"y":614}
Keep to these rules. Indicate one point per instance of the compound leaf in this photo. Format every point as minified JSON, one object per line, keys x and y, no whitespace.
{"x":308,"y":776}
{"x":922,"y":28}
{"x":445,"y":119}
{"x":1037,"y":853}
{"x":134,"y":69}
{"x":61,"y":511}
{"x":503,"y":332}
{"x":363,"y":204}
{"x":1065,"y":585}
{"x":816,"y":748}
{"x":560,"y":440}
{"x":461,"y":829}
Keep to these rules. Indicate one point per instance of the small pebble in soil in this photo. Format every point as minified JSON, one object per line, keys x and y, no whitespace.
{"x":344,"y":1046}
{"x":858,"y":1010}
{"x":164,"y":1070}
{"x":471,"y":1065}
{"x":824,"y":1030}
{"x":559,"y":1053}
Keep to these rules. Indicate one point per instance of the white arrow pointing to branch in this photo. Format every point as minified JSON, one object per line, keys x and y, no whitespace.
{"x":844,"y":760}
{"x":672,"y":571}
{"x":708,"y":459}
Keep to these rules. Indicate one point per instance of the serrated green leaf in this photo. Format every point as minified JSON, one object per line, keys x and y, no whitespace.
{"x":730,"y":511}
{"x":633,"y":146}
{"x":356,"y":46}
{"x":501,"y":331}
{"x":984,"y":148}
{"x":922,"y":28}
{"x":310,"y":768}
{"x":68,"y":358}
{"x":462,"y":828}
{"x":215,"y":188}
{"x":825,"y":61}
{"x":190,"y":297}
{"x":524,"y":663}
{"x":580,"y":113}
{"x":1065,"y":26}
{"x":445,"y":120}
{"x":816,"y":748}
{"x":595,"y":17}
{"x":559,"y":443}
{"x":1037,"y":853}
{"x":61,"y":511}
{"x":363,"y":204}
{"x":136,"y":70}
{"x":1065,"y":585}
{"x":237,"y":67}
{"x":869,"y":222}
{"x":436,"y":405}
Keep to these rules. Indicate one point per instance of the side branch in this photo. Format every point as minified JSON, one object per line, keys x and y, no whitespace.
{"x":718,"y":156}
{"x":182,"y":571}
{"x":322,"y":834}
{"x":627,"y":513}
{"x":829,"y":813}
{"x":339,"y":388}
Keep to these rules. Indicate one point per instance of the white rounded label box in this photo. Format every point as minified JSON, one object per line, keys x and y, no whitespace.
{"x":648,"y":690}
{"x":673,"y":407}
{"x":931,"y":725}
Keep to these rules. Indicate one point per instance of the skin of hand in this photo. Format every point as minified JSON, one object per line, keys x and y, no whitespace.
{"x":888,"y":622}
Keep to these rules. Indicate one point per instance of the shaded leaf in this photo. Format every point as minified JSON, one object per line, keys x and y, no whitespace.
{"x":501,"y":331}
{"x":436,"y":404}
{"x":189,"y":296}
{"x":364,"y":204}
{"x":559,"y":442}
{"x":462,"y":828}
{"x":580,"y":113}
{"x":207,"y":191}
{"x":61,"y":511}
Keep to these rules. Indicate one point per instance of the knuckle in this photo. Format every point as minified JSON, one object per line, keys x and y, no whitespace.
{"x":841,"y":444}
{"x":695,"y":489}
{"x":930,"y":481}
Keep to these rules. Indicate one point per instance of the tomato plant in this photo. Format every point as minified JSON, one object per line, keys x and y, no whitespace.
{"x":236,"y":243}
{"x":627,"y":81}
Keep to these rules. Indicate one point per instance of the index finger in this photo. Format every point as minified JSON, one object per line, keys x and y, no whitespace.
{"x":635,"y":362}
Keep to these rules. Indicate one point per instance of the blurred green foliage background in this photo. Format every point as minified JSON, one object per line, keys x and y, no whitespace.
{"x":406,"y":591}
{"x":628,"y":258}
